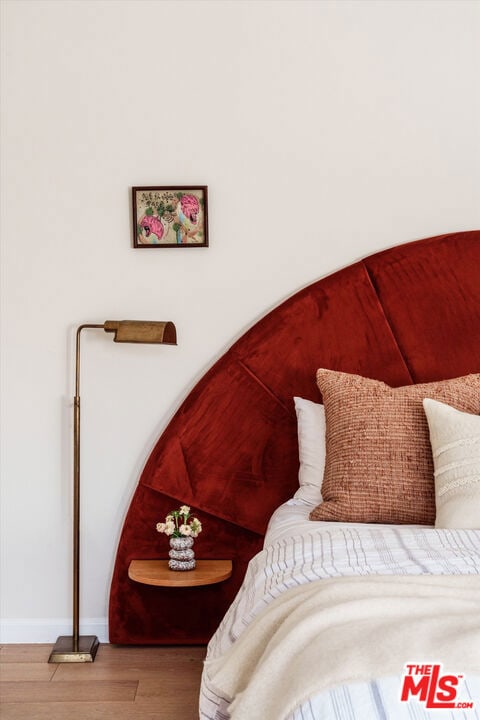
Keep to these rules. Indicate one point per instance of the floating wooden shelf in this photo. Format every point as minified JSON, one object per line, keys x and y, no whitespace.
{"x":157,"y":572}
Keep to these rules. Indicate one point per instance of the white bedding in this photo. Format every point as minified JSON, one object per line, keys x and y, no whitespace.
{"x":298,"y":551}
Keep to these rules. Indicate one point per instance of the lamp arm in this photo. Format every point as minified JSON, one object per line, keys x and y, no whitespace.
{"x":77,"y":354}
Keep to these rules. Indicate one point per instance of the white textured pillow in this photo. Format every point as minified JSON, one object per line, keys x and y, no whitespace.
{"x":455,"y":441}
{"x":311,"y":449}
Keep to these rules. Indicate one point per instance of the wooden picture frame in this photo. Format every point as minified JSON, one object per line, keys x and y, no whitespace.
{"x":168,"y":216}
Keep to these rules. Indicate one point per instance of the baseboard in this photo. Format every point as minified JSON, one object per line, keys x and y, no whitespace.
{"x":46,"y":630}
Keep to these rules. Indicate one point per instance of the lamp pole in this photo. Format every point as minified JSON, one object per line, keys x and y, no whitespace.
{"x":91,"y":645}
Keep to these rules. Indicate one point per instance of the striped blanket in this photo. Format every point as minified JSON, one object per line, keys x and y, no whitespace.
{"x":328,"y":550}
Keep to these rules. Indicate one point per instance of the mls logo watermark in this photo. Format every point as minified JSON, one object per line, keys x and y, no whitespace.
{"x":429,"y":685}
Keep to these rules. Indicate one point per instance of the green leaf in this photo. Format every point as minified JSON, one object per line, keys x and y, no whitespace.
{"x":149,"y":211}
{"x":176,"y":226}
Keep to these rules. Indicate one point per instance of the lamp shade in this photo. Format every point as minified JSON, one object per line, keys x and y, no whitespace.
{"x":142,"y":331}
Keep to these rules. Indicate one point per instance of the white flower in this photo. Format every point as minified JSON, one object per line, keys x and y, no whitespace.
{"x":172,"y":525}
{"x":169,"y":528}
{"x":196,"y":526}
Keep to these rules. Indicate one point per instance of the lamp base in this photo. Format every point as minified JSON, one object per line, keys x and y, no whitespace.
{"x":63,"y":650}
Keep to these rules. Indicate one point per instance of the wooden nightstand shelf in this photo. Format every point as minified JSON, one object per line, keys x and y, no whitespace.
{"x":157,"y":572}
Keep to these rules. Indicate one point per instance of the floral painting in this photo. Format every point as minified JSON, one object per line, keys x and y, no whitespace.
{"x":170,"y":216}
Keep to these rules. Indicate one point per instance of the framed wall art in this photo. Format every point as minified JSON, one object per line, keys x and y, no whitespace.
{"x":170,"y":216}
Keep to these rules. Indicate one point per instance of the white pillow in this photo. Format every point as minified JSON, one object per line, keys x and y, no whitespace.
{"x":311,"y":449}
{"x":455,"y":441}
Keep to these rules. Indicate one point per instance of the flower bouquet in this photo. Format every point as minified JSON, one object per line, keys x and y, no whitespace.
{"x":182,"y":528}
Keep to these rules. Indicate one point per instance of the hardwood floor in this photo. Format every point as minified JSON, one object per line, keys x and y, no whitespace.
{"x":124,"y":683}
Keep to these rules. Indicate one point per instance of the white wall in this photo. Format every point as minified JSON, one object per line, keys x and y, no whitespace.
{"x":324,"y":130}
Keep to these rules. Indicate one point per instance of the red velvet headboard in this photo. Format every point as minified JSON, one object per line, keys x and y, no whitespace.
{"x":406,"y":315}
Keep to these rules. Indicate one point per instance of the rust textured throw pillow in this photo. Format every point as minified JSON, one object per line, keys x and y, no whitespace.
{"x":379,"y":465}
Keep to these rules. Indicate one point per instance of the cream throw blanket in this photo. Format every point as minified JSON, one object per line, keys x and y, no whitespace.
{"x":344,"y":630}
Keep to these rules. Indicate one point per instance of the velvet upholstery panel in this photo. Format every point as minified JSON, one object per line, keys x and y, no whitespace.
{"x":430,"y":293}
{"x":408,"y":314}
{"x":143,"y":614}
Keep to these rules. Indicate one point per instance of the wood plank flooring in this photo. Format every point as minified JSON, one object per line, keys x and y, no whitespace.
{"x":124,"y":683}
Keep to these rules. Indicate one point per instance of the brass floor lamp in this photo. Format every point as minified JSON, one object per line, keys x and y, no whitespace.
{"x":76,"y":648}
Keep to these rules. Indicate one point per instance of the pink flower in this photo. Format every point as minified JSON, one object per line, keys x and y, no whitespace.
{"x":152,"y":226}
{"x":190,"y":207}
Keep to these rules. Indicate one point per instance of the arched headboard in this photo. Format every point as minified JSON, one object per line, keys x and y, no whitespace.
{"x":405,"y":315}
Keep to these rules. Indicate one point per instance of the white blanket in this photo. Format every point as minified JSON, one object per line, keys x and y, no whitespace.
{"x":296,"y":647}
{"x":321,"y":551}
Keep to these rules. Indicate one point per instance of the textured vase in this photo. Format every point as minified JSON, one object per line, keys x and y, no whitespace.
{"x":181,"y":554}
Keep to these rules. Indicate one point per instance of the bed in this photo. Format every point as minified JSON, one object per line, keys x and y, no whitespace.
{"x":340,"y":619}
{"x":404,"y":317}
